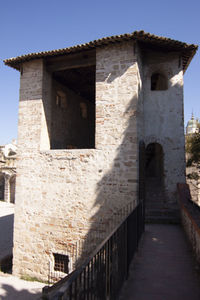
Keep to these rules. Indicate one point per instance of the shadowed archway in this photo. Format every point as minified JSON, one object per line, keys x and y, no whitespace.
{"x":154,"y":182}
{"x":154,"y":169}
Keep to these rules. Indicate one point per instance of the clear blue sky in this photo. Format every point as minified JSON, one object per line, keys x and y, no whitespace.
{"x":32,"y":26}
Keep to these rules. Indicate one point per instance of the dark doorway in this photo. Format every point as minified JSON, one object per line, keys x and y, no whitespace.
{"x":142,"y":160}
{"x":12,"y":189}
{"x":2,"y":186}
{"x":154,"y":163}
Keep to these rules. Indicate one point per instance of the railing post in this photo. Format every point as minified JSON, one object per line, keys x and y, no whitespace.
{"x":126,"y":249}
{"x":45,"y":293}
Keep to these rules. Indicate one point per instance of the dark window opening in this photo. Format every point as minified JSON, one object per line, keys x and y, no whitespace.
{"x":158,"y":82}
{"x":11,"y":153}
{"x":72,"y":124}
{"x":61,"y":263}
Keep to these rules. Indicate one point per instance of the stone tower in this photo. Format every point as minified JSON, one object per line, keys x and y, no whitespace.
{"x":82,"y":114}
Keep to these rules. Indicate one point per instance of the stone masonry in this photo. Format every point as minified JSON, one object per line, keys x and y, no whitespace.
{"x":68,"y":195}
{"x":71,"y":190}
{"x":163,"y":117}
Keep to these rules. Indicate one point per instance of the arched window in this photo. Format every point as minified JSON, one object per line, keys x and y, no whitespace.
{"x":158,"y":82}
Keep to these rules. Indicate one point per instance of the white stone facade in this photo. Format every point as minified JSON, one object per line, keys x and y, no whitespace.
{"x":192,"y":126}
{"x":163,"y":116}
{"x":8,"y":172}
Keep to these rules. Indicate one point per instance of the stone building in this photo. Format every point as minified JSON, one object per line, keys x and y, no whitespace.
{"x":8,"y":172}
{"x":192,"y":126}
{"x":83,"y":112}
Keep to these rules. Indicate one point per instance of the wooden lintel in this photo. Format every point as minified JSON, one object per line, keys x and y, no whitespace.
{"x":70,"y":62}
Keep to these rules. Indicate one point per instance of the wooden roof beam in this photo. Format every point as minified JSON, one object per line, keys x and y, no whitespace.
{"x":75,"y":61}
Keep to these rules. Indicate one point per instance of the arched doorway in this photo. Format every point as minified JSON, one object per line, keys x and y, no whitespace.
{"x":154,"y":182}
{"x":154,"y":169}
{"x":12,"y":188}
{"x":2,"y":186}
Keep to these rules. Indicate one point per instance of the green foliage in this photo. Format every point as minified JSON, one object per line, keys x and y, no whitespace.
{"x":193,"y":151}
{"x":29,"y":278}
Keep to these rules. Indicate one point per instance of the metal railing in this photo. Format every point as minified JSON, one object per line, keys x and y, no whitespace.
{"x":79,"y":249}
{"x":103,"y":273}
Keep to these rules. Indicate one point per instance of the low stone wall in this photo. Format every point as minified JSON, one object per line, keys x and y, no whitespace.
{"x":190,"y":216}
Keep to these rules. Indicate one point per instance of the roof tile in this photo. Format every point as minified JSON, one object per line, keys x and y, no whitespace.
{"x":187,"y":50}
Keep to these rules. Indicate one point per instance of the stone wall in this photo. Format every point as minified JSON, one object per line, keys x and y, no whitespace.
{"x":163,"y":116}
{"x":190,"y":216}
{"x":63,"y":195}
{"x":69,"y":197}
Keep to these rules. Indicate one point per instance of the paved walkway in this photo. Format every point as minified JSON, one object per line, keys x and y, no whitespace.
{"x":163,"y":268}
{"x":13,"y":288}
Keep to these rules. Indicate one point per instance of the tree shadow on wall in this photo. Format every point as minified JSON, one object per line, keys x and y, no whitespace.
{"x":117,"y":191}
{"x":118,"y":188}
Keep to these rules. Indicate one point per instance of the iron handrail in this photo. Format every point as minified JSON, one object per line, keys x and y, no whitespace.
{"x":136,"y":219}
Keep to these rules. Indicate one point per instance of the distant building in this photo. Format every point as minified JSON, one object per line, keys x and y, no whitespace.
{"x":192,"y":126}
{"x":8,"y":172}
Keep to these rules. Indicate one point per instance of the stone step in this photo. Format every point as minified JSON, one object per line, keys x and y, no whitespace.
{"x":158,"y":204}
{"x":157,"y":210}
{"x":162,"y":220}
{"x":162,"y":216}
{"x":160,"y":213}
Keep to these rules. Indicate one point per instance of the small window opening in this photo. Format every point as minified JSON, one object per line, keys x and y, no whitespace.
{"x":61,"y":100}
{"x":158,"y":82}
{"x":61,"y":263}
{"x":83,"y":107}
{"x":11,"y":153}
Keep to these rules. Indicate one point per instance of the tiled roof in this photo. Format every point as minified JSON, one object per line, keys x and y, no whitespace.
{"x":187,"y":50}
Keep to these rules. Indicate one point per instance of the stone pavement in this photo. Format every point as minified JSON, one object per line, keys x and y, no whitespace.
{"x":13,"y":288}
{"x":163,"y":268}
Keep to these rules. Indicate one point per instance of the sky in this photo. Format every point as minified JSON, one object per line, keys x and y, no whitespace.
{"x":32,"y":26}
